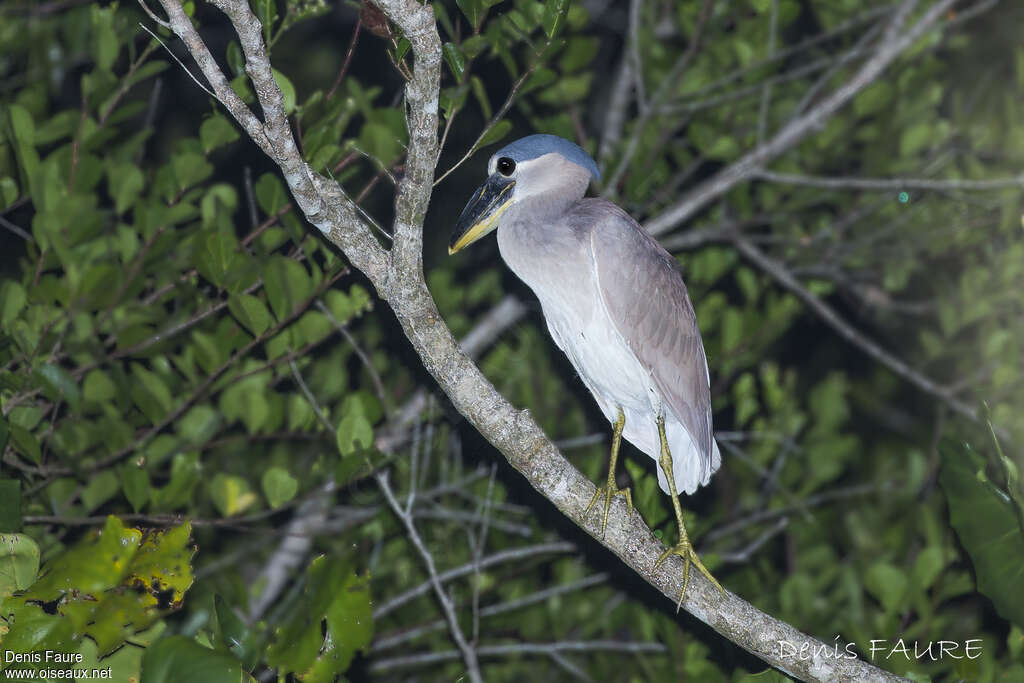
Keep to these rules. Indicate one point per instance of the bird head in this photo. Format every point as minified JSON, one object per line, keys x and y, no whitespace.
{"x":529,"y":167}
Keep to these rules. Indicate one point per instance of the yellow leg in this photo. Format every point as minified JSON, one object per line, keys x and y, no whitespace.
{"x":684,"y":548}
{"x":610,"y":490}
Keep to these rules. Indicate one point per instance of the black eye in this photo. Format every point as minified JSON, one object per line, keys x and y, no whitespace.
{"x":506,"y":166}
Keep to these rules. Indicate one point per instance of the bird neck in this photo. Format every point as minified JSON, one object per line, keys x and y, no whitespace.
{"x":540,"y":208}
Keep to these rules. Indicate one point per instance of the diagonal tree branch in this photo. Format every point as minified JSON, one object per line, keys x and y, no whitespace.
{"x":398,"y":279}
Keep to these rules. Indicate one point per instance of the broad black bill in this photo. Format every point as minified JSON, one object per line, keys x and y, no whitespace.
{"x":481,"y":213}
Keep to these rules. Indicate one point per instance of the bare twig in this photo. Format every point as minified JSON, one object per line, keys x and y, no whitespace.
{"x":512,"y":555}
{"x":17,"y":230}
{"x":518,"y":650}
{"x":887,"y":184}
{"x":386,"y":643}
{"x":468,"y":652}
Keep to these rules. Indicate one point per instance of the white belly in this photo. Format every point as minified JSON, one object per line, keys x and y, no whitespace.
{"x":615,"y":378}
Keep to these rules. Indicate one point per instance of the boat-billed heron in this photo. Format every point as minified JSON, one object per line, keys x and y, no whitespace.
{"x":614,"y":303}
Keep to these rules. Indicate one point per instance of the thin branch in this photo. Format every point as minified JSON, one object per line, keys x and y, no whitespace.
{"x":888,"y":184}
{"x":498,"y":115}
{"x":387,"y":643}
{"x":348,"y":59}
{"x":378,"y":383}
{"x":17,"y":230}
{"x":174,"y":56}
{"x":515,"y":554}
{"x":743,"y":555}
{"x":519,"y":650}
{"x":468,"y":652}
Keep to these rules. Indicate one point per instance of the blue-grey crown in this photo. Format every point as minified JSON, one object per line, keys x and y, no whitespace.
{"x":533,"y":146}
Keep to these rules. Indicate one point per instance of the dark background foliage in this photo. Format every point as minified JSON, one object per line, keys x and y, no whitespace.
{"x":180,"y":351}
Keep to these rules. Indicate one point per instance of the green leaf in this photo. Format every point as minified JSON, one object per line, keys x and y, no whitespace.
{"x":190,"y":168}
{"x":287,"y":91}
{"x":96,"y":564}
{"x":58,"y":383}
{"x":472,"y":9}
{"x":126,"y":663}
{"x":251,"y":312}
{"x":104,"y":37}
{"x":12,"y":300}
{"x":125,"y":182}
{"x":481,"y":96}
{"x":231,"y":494}
{"x":199,"y":424}
{"x":150,"y":394}
{"x":135,"y":482}
{"x":887,"y":583}
{"x":186,"y":473}
{"x":915,"y":138}
{"x":8,"y":191}
{"x":279,"y":486}
{"x":26,"y":443}
{"x":473,"y":46}
{"x":101,"y":488}
{"x":402,"y":48}
{"x":927,"y":567}
{"x":989,"y":525}
{"x":873,"y":98}
{"x":19,"y":563}
{"x":235,"y":636}
{"x":270,"y":193}
{"x":497,"y":132}
{"x":24,"y":137}
{"x":177,"y":658}
{"x":455,"y":59}
{"x":215,"y":257}
{"x":333,"y":621}
{"x":346,"y":306}
{"x":383,"y":137}
{"x":287,"y":285}
{"x":354,"y":433}
{"x":216,"y":131}
{"x":98,"y":386}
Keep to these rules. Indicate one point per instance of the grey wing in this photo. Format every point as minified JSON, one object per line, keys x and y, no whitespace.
{"x":647,"y":300}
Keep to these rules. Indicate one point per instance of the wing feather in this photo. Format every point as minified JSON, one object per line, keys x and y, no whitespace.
{"x":645,"y":297}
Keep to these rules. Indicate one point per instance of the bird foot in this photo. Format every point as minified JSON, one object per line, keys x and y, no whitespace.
{"x":684,"y":549}
{"x":609,"y":492}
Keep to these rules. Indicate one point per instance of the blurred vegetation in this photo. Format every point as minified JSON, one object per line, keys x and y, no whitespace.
{"x":186,"y":369}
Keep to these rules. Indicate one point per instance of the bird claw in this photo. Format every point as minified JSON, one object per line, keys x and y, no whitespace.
{"x":684,"y":549}
{"x":609,"y":491}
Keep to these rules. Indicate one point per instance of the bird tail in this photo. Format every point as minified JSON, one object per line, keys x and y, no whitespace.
{"x":690,"y":464}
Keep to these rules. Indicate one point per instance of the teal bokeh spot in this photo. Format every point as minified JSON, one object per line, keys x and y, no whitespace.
{"x":904,"y":197}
